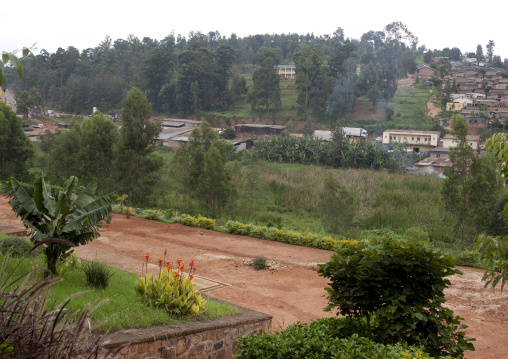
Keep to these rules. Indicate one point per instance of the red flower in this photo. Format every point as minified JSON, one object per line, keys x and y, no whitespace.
{"x":180,"y":280}
{"x":178,"y":261}
{"x":191,"y":263}
{"x":191,"y":277}
{"x":177,"y":274}
{"x":160,"y":260}
{"x":167,"y":264}
{"x":147,"y":256}
{"x":181,"y":268}
{"x":195,"y":268}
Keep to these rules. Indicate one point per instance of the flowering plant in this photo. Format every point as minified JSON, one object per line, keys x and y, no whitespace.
{"x":173,"y":290}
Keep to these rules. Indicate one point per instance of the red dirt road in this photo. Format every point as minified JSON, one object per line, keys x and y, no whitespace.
{"x":291,"y":290}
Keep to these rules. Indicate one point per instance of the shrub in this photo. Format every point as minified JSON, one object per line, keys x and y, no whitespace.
{"x":468,"y":259}
{"x":199,"y":221}
{"x":17,"y":246}
{"x":259,"y":263}
{"x":98,"y":274}
{"x":171,"y":289}
{"x":151,"y":214}
{"x":402,"y":283}
{"x":320,"y":339}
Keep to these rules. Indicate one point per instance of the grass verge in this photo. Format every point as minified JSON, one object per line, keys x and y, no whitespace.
{"x":123,"y":308}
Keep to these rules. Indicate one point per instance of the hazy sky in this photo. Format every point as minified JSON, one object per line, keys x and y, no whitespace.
{"x":84,"y":24}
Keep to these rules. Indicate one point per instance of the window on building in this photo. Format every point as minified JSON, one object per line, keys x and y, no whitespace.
{"x":405,"y":138}
{"x":418,"y":138}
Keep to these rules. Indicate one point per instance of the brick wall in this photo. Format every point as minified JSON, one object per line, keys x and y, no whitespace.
{"x":215,"y":339}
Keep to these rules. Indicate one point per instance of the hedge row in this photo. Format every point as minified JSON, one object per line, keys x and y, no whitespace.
{"x":285,"y":235}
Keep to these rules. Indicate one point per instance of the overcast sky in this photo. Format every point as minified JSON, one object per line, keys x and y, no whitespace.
{"x":84,"y":24}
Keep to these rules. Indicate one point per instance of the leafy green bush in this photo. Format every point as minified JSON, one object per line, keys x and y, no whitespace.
{"x":259,"y":263}
{"x":152,"y":214}
{"x":401,"y":283}
{"x":199,"y":221}
{"x":320,"y":339}
{"x":98,"y":274}
{"x":17,"y":246}
{"x":469,"y":259}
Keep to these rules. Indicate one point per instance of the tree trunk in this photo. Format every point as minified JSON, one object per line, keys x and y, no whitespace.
{"x":51,"y":258}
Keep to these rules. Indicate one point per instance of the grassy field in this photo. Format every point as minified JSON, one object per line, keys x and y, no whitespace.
{"x":123,"y":307}
{"x":293,"y":195}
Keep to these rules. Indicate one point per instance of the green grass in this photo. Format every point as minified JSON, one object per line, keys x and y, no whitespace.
{"x":123,"y":308}
{"x":410,"y":103}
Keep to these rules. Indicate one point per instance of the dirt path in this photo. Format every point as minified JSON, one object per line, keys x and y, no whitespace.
{"x":291,"y":291}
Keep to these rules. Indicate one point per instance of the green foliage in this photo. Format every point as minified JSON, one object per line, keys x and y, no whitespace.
{"x":358,"y":154}
{"x":96,"y":156}
{"x":408,"y":306}
{"x":98,"y":274}
{"x":324,"y":338}
{"x":229,"y":133}
{"x":201,"y":172}
{"x":337,"y":205}
{"x":172,"y":291}
{"x":132,"y":151}
{"x":494,"y":251}
{"x":470,"y":186}
{"x":199,"y":221}
{"x":266,"y":83}
{"x":15,"y":148}
{"x":259,"y":263}
{"x":469,"y":259}
{"x":11,"y":59}
{"x":72,"y":220}
{"x":17,"y":247}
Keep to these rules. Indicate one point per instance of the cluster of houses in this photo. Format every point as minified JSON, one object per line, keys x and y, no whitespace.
{"x":481,"y":92}
{"x":429,"y":142}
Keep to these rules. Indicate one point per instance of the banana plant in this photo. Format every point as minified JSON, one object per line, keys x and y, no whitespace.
{"x":76,"y":219}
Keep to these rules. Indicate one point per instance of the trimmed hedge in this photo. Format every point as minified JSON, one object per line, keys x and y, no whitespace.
{"x":199,"y":221}
{"x":286,"y":236}
{"x":324,"y":338}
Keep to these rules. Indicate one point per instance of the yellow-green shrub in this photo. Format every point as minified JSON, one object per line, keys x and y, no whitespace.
{"x":285,"y":235}
{"x":172,"y":291}
{"x":199,"y":221}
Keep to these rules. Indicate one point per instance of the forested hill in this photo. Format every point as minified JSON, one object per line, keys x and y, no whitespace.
{"x":209,"y":72}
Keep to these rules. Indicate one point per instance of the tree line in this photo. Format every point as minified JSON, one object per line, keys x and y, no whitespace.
{"x":210,"y":72}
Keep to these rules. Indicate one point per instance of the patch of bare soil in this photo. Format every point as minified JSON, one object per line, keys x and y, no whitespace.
{"x":289,"y":289}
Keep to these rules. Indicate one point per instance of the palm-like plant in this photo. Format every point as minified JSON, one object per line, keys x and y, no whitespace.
{"x":75,"y":219}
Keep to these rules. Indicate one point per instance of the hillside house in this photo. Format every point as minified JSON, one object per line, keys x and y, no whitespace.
{"x":454,"y":106}
{"x":424,"y":72}
{"x":432,"y":165}
{"x":286,"y":71}
{"x":415,"y":140}
{"x":451,"y":141}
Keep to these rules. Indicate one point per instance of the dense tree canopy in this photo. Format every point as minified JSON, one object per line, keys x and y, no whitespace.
{"x":15,"y":147}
